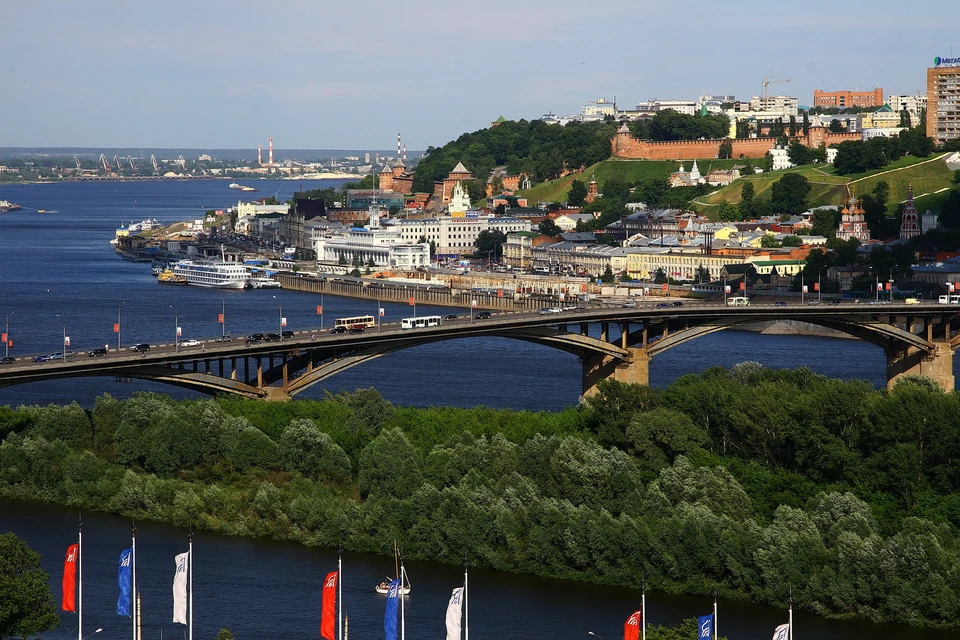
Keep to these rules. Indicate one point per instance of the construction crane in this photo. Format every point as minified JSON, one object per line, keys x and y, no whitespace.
{"x":103,"y":162}
{"x":79,"y":166}
{"x":133,"y":167}
{"x":153,"y":161}
{"x":767,"y":82}
{"x":117,"y":163}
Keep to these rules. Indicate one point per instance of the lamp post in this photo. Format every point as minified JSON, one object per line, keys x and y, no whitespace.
{"x":801,"y":287}
{"x":6,"y":334}
{"x":63,"y":348}
{"x":281,"y":317}
{"x":223,"y":318}
{"x":819,"y":285}
{"x":890,"y":282}
{"x":176,"y":329}
{"x":119,"y":326}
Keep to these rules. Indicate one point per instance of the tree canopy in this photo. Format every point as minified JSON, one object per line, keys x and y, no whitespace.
{"x":26,"y":604}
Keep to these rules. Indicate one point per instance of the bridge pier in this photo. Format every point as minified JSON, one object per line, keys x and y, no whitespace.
{"x":912,"y":361}
{"x":595,"y":367}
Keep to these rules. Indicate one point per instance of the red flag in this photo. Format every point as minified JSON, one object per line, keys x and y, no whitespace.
{"x":319,"y":310}
{"x":743,"y":286}
{"x":220,"y":318}
{"x":816,"y":286}
{"x":70,"y":578}
{"x":631,"y":628}
{"x":328,"y":612}
{"x":666,"y":287}
{"x":412,"y":302}
{"x":4,"y":336}
{"x":116,"y":327}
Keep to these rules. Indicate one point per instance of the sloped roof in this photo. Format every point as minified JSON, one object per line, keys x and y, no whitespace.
{"x":500,"y":119}
{"x":460,"y":168}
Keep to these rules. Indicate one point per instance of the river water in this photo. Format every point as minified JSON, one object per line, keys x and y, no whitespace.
{"x":59,"y":273}
{"x":266,"y":589}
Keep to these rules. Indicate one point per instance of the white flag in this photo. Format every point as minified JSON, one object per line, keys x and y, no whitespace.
{"x":782,"y":632}
{"x":454,"y":615}
{"x":180,"y":589}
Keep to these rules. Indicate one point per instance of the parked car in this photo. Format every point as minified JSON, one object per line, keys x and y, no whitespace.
{"x":340,"y":329}
{"x":483,"y":315}
{"x":141,"y":347}
{"x":97,"y":352}
{"x":189,"y":343}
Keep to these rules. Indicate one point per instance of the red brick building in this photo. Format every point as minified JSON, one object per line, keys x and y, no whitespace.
{"x":842,"y":99}
{"x":626,"y":146}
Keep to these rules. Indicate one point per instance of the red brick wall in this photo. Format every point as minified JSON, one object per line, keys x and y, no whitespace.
{"x":626,"y":146}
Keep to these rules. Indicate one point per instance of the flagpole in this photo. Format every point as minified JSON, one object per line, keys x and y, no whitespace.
{"x":643,"y":609}
{"x":340,"y":591}
{"x":714,"y":613}
{"x":79,"y":576}
{"x":190,"y":573}
{"x":790,"y":615}
{"x":466,"y":606}
{"x":133,"y":570}
{"x":403,"y":620}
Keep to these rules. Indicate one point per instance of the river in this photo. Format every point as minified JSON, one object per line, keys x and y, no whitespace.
{"x":59,"y":274}
{"x":261,"y":589}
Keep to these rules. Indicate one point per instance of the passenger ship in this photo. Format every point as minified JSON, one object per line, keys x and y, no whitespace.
{"x":217,"y":273}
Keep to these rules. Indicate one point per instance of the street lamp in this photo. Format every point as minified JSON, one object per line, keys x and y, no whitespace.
{"x":281,"y":318}
{"x":119,"y":307}
{"x":66,"y":340}
{"x":6,"y":336}
{"x":176,"y":329}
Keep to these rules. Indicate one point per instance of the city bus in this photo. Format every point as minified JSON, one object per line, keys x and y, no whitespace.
{"x":348,"y":323}
{"x":421,"y":322}
{"x":738,"y":301}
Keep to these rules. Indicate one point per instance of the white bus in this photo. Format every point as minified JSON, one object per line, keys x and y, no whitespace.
{"x":421,"y":322}
{"x":366,"y":321}
{"x":738,"y":301}
{"x":950,"y":299}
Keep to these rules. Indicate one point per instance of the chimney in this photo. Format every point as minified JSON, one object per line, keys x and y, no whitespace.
{"x":259,"y":155}
{"x":404,"y":154}
{"x":398,"y":146}
{"x":271,"y":152}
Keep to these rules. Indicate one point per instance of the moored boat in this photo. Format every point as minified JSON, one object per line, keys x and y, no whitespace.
{"x":263,"y":283}
{"x":167,"y":276}
{"x":217,"y":274}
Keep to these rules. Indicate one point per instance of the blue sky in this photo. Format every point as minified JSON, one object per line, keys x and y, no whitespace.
{"x":347,"y":74}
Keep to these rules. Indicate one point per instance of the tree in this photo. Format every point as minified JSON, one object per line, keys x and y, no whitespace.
{"x":747,"y":193}
{"x":26,"y":604}
{"x":654,"y":191}
{"x":607,"y":276}
{"x":793,"y":126}
{"x":726,"y":150}
{"x":799,"y":153}
{"x":806,"y":123}
{"x":789,"y":194}
{"x":905,"y":119}
{"x":703,"y":275}
{"x":390,"y":466}
{"x":836,"y":126}
{"x":768,"y":241}
{"x":548,"y":227}
{"x":768,"y":161}
{"x":225,"y":634}
{"x":578,"y":192}
{"x":660,"y":276}
{"x":490,"y":242}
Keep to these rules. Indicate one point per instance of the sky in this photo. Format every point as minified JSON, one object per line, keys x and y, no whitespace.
{"x":316,"y":74}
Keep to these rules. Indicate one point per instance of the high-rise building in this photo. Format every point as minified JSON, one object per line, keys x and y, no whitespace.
{"x":943,"y":100}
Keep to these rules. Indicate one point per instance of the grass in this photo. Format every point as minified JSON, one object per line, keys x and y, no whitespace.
{"x":934,"y":201}
{"x":925,"y":177}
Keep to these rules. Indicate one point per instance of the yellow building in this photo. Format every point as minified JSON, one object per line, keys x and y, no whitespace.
{"x":883,"y":118}
{"x":676,"y":263}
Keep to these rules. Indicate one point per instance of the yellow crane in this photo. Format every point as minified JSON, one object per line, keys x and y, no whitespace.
{"x":767,"y":82}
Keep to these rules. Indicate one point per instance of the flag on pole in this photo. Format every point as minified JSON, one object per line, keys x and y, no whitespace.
{"x":66,"y":341}
{"x":283,"y":322}
{"x":743,"y":286}
{"x":726,"y":288}
{"x":180,"y":588}
{"x":328,"y":608}
{"x":69,"y":602}
{"x":805,"y":289}
{"x":116,"y":327}
{"x":124,"y":579}
{"x":454,"y":614}
{"x":631,"y":628}
{"x":220,"y":318}
{"x":816,"y":286}
{"x":782,"y":632}
{"x":705,"y":624}
{"x":319,"y":309}
{"x":390,"y":617}
{"x":380,"y":311}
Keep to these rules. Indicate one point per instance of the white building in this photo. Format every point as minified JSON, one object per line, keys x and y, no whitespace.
{"x":688,"y":107}
{"x":786,"y":104}
{"x":384,"y":247}
{"x":781,"y":159}
{"x":913,"y":104}
{"x":455,"y":236}
{"x":881,"y":132}
{"x":459,"y":201}
{"x":598,"y":110}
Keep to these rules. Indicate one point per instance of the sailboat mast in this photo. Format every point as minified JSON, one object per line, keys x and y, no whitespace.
{"x":79,"y":578}
{"x":396,"y":561}
{"x":190,"y":573}
{"x":403,"y":621}
{"x":790,"y":615}
{"x":714,"y":613}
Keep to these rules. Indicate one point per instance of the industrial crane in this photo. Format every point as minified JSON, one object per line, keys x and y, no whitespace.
{"x":103,"y":162}
{"x":77,"y":160}
{"x":133,"y":167}
{"x":182,"y":163}
{"x":153,"y":161}
{"x":767,"y":82}
{"x":117,"y":163}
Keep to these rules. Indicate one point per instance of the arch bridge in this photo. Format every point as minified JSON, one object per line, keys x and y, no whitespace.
{"x":916,"y":339}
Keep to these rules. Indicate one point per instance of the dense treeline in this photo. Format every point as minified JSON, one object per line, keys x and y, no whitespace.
{"x":857,"y":156}
{"x":540,"y":150}
{"x":751,"y":480}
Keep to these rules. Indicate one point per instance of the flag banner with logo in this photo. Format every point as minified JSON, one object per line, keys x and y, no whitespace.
{"x":782,"y":632}
{"x":69,"y":602}
{"x":328,"y":607}
{"x":805,"y":289}
{"x":124,"y":580}
{"x":454,"y":614}
{"x":390,"y":617}
{"x":705,"y":626}
{"x":631,"y":628}
{"x":180,"y":588}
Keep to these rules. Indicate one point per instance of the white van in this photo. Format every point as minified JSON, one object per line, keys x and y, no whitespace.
{"x":738,"y":301}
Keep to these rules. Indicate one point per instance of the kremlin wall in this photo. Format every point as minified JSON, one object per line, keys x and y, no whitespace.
{"x":626,"y":146}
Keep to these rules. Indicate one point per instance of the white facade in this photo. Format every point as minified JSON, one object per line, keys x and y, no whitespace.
{"x":687,"y":107}
{"x":881,"y":132}
{"x":781,"y":159}
{"x":831,"y":154}
{"x":459,"y":200}
{"x":786,"y":104}
{"x":455,"y":236}
{"x":913,"y":104}
{"x":385,"y":247}
{"x":598,"y":110}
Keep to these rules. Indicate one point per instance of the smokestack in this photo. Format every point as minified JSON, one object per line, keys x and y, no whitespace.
{"x":271,"y":152}
{"x":398,"y":146}
{"x":260,"y":155}
{"x":404,"y":154}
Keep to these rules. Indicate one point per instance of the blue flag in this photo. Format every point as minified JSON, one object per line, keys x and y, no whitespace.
{"x":123,"y":580}
{"x":390,"y":618}
{"x":705,"y":623}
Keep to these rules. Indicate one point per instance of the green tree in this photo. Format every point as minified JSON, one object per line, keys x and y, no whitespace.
{"x":836,"y":126}
{"x":490,"y":242}
{"x":390,"y":466}
{"x":26,"y":604}
{"x":746,"y":206}
{"x":798,"y":153}
{"x":548,"y":227}
{"x":806,"y":123}
{"x":306,"y":449}
{"x":225,"y":634}
{"x":607,"y":276}
{"x":726,"y":150}
{"x":789,"y":194}
{"x":659,"y":276}
{"x":768,"y":241}
{"x":703,"y":275}
{"x":578,"y":191}
{"x":654,"y":191}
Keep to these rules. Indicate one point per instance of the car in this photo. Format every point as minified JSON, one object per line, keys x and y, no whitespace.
{"x":340,"y":329}
{"x":227,"y":338}
{"x":272,"y":337}
{"x":189,"y":343}
{"x":676,"y":303}
{"x":286,"y":334}
{"x":911,"y":301}
{"x":7,"y":360}
{"x":141,"y":347}
{"x":41,"y":358}
{"x":483,"y":315}
{"x":663,"y":305}
{"x":630,"y":304}
{"x":57,"y":355}
{"x":543,"y":311}
{"x":97,"y":352}
{"x":450,"y":316}
{"x":579,"y":309}
{"x":255,"y":337}
{"x":779,"y":303}
{"x":358,"y":328}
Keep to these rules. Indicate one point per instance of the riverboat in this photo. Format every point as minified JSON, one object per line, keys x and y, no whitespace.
{"x":167,"y":276}
{"x":217,"y":274}
{"x":6,"y":206}
{"x":263,"y":283}
{"x":241,"y":187}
